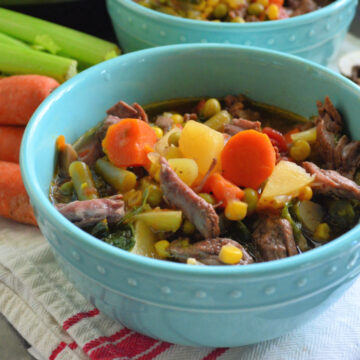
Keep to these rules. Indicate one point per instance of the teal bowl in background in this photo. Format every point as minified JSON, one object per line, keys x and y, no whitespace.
{"x":190,"y":305}
{"x":316,"y":36}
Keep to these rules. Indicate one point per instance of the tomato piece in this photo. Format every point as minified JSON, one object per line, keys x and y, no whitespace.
{"x":276,"y":138}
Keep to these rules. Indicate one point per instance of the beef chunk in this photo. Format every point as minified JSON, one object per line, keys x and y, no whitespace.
{"x":181,"y":196}
{"x":273,"y":238}
{"x":300,"y":7}
{"x":206,"y":251}
{"x":124,"y":110}
{"x":238,"y":125}
{"x":165,"y":122}
{"x":190,"y":116}
{"x":89,"y":212}
{"x":331,"y":183}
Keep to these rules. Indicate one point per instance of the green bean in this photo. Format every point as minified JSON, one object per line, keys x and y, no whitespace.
{"x":212,"y":106}
{"x":83,"y":181}
{"x":120,"y":179}
{"x":67,"y":188}
{"x":219,"y":120}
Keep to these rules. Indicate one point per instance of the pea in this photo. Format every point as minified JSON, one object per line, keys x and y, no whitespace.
{"x":188,"y":227}
{"x":220,"y":11}
{"x":155,"y":195}
{"x":238,"y":19}
{"x":208,"y":198}
{"x":255,"y":9}
{"x":251,"y":198}
{"x":300,"y":150}
{"x":174,"y":138}
{"x":211,"y":107}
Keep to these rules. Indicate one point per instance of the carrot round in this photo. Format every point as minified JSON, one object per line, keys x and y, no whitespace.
{"x":222,"y":189}
{"x":14,"y":201}
{"x":10,"y":140}
{"x":248,"y":159}
{"x":20,"y":95}
{"x":128,"y":142}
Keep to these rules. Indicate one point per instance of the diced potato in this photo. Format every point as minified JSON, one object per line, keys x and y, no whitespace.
{"x":201,"y":143}
{"x":144,"y":241}
{"x":311,"y":214}
{"x":285,"y":182}
{"x":307,"y":135}
{"x":161,"y":220}
{"x":173,"y":152}
{"x":186,"y":169}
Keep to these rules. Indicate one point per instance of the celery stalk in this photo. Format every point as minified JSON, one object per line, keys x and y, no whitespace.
{"x":87,"y":49}
{"x":4,"y":39}
{"x":18,"y":60}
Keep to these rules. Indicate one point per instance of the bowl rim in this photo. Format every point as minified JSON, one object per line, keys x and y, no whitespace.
{"x":40,"y":200}
{"x":261,"y":25}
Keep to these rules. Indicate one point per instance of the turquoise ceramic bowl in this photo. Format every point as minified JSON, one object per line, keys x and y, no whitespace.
{"x":316,"y":36}
{"x":212,"y":306}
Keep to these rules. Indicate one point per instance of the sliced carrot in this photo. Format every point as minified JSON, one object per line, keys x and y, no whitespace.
{"x":10,"y":140}
{"x":248,"y":159}
{"x":277,"y":2}
{"x":222,"y":189}
{"x":14,"y":201}
{"x":128,"y":142}
{"x":20,"y":95}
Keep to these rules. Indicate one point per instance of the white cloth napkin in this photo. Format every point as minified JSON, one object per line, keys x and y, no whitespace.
{"x":60,"y":324}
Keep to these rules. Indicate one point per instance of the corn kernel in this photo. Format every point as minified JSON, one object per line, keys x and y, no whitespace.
{"x":161,"y":247}
{"x":193,"y":261}
{"x":230,"y":254}
{"x":306,"y":193}
{"x":212,"y":3}
{"x":236,"y":210}
{"x":177,"y":118}
{"x":322,"y":233}
{"x":158,"y":132}
{"x":273,"y":12}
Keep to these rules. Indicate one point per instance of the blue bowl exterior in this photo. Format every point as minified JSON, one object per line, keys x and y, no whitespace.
{"x":212,"y":306}
{"x":316,"y":36}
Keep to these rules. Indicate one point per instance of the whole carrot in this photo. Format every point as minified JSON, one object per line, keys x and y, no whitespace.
{"x":14,"y":201}
{"x":10,"y":140}
{"x":20,"y":95}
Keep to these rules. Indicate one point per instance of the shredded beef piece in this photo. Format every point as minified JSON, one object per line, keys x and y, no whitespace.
{"x":206,"y":251}
{"x":232,"y":130}
{"x":90,"y":212}
{"x":300,"y":7}
{"x":192,"y":116}
{"x":124,"y":110}
{"x":330,"y":116}
{"x":331,"y":183}
{"x":342,"y":155}
{"x":181,"y":196}
{"x":236,"y":107}
{"x":165,"y":122}
{"x":273,"y":237}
